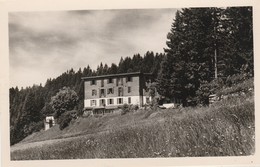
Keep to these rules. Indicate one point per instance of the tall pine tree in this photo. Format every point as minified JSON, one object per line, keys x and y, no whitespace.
{"x":191,"y":53}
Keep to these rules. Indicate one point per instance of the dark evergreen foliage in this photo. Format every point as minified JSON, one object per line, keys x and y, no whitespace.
{"x":28,"y":107}
{"x":203,"y":44}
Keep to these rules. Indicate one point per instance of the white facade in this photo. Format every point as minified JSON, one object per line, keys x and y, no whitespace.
{"x":49,"y":122}
{"x":135,"y":100}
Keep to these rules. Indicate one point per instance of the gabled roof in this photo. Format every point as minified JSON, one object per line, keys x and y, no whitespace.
{"x":116,"y":75}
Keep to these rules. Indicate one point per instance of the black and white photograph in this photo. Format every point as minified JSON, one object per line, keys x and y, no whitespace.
{"x":131,"y":83}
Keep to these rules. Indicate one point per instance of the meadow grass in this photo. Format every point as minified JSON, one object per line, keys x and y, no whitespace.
{"x":226,"y":128}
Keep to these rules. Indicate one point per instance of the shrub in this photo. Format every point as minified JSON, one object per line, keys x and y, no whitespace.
{"x":236,"y":78}
{"x":125,"y":109}
{"x":135,"y":107}
{"x":207,"y":88}
{"x":80,"y":112}
{"x":65,"y":119}
{"x":244,"y":87}
{"x":33,"y":127}
{"x":233,"y":84}
{"x":154,"y":103}
{"x":86,"y":113}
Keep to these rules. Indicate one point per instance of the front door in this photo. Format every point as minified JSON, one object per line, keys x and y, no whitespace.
{"x":50,"y":123}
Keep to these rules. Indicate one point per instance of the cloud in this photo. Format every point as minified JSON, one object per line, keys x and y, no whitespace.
{"x":45,"y":44}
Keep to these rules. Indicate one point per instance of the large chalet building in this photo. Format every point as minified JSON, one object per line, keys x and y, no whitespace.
{"x":108,"y":92}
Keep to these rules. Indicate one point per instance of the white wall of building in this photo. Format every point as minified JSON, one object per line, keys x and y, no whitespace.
{"x":135,"y":100}
{"x":47,"y":122}
{"x":145,"y":101}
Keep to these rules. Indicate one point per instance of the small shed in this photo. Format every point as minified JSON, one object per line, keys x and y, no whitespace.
{"x":49,"y":122}
{"x":213,"y":98}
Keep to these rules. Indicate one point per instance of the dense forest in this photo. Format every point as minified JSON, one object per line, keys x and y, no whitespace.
{"x":204,"y":45}
{"x":30,"y":105}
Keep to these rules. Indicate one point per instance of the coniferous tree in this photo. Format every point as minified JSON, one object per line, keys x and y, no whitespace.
{"x":170,"y":81}
{"x":124,"y":64}
{"x":105,"y":69}
{"x":137,"y":61}
{"x":87,"y":71}
{"x":239,"y":40}
{"x":149,"y":60}
{"x":113,"y":69}
{"x":191,"y":51}
{"x":205,"y":43}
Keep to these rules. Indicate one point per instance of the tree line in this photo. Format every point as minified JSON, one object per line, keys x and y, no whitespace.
{"x":30,"y":105}
{"x":204,"y":45}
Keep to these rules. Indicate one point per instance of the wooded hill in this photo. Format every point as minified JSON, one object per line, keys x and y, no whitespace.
{"x":30,"y":105}
{"x":206,"y":47}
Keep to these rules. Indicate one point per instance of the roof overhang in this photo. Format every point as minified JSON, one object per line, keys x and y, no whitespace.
{"x":116,"y":75}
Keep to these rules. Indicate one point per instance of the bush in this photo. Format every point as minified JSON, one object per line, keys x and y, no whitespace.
{"x":86,"y":113}
{"x":80,"y":108}
{"x":244,"y":87}
{"x":208,"y":88}
{"x":80,"y":112}
{"x":65,"y":119}
{"x":236,"y":78}
{"x":33,"y":127}
{"x":233,"y":84}
{"x":125,"y":109}
{"x":154,"y":103}
{"x":135,"y":107}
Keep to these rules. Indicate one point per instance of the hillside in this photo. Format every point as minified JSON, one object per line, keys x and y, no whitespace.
{"x":226,"y":128}
{"x":209,"y":51}
{"x":30,"y":105}
{"x":92,"y":125}
{"x":203,"y":45}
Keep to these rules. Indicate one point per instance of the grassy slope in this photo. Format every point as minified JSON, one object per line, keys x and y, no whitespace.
{"x":92,"y":125}
{"x":225,"y":128}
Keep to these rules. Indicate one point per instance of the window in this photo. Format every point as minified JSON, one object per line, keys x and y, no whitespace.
{"x":93,"y":82}
{"x":110,"y":91}
{"x":119,"y":81}
{"x":102,"y":92}
{"x":129,"y":89}
{"x":110,"y":80}
{"x":128,"y":79}
{"x":102,"y":102}
{"x":110,"y":101}
{"x":119,"y":100}
{"x":93,"y":103}
{"x":94,"y":92}
{"x":102,"y":83}
{"x":120,"y":91}
{"x":129,"y":100}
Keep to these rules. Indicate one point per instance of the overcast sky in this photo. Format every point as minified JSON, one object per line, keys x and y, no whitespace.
{"x":46,"y":44}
